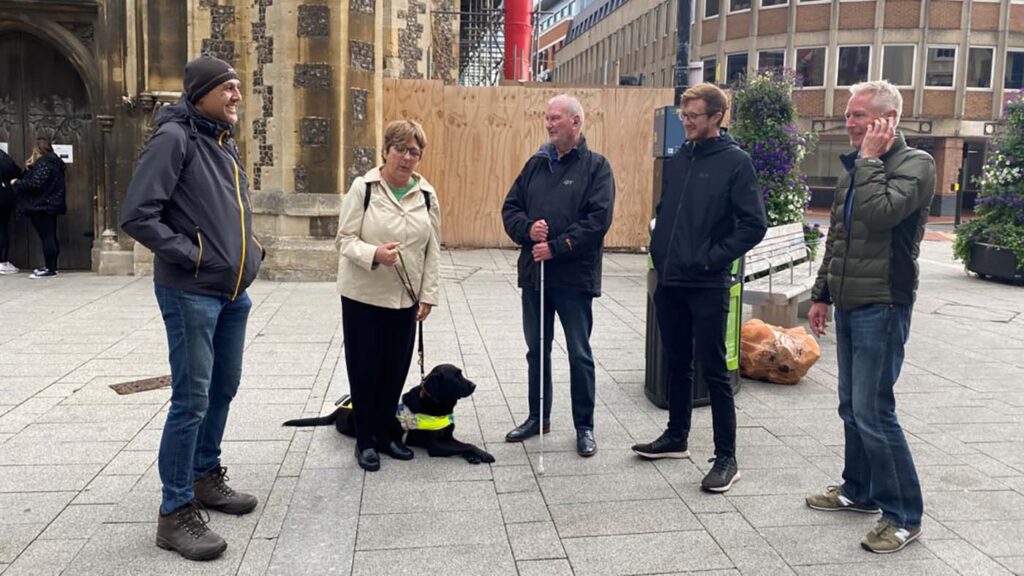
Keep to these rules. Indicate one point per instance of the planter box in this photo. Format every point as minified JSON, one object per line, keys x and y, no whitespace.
{"x":992,"y":261}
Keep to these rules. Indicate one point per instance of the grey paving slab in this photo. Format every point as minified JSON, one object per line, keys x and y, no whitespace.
{"x":893,"y":566}
{"x":1014,"y":564}
{"x":388,"y":531}
{"x":644,"y":554}
{"x":988,"y":505}
{"x":831,"y":544}
{"x":17,"y":537}
{"x":560,"y":567}
{"x":478,"y":560}
{"x":32,"y":507}
{"x":45,"y":557}
{"x":994,"y":538}
{"x":623,"y":517}
{"x":523,"y":507}
{"x":642,"y":484}
{"x":47,"y":478}
{"x":535,"y":541}
{"x":257,"y":557}
{"x":427,"y":497}
{"x":77,"y":522}
{"x":966,"y":559}
{"x":747,"y":549}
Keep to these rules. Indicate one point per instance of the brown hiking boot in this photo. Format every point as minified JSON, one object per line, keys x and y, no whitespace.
{"x":213,"y":492}
{"x":185,"y":531}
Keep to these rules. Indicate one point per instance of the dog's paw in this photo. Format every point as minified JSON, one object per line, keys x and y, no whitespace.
{"x":487,"y":458}
{"x":472,"y":458}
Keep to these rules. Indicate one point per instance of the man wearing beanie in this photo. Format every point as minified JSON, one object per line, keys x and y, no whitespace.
{"x":189,"y":203}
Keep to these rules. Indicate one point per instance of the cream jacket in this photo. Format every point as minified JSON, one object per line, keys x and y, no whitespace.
{"x":388,"y":220}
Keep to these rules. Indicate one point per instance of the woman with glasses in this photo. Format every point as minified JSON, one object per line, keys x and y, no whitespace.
{"x":389,"y":238}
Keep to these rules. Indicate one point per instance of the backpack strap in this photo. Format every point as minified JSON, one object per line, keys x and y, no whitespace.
{"x":366,"y":198}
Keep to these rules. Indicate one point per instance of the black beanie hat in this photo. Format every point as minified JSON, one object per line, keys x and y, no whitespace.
{"x":204,"y":74}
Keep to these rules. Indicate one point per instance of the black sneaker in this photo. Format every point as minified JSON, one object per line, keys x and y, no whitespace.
{"x":43,"y":273}
{"x":665,"y":446}
{"x":722,"y":475}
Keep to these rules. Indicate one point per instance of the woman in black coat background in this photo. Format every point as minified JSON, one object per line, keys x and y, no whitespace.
{"x":41,"y":196}
{"x":9,"y":170}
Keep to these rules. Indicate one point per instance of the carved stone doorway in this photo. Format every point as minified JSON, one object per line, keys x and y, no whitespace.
{"x":41,"y":94}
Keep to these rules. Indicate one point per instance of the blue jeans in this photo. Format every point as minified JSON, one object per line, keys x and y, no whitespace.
{"x":878,"y":466}
{"x":575,"y":311}
{"x":206,"y":337}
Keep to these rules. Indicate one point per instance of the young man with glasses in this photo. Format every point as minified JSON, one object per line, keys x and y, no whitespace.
{"x":710,"y":214}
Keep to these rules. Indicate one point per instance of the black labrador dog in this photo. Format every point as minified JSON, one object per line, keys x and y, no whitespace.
{"x":425,"y":416}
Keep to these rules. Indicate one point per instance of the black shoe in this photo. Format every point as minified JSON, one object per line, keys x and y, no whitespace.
{"x":368,"y":459}
{"x":186,"y":532}
{"x":527,"y":429}
{"x":586,"y":445}
{"x":43,"y":273}
{"x":722,"y":475}
{"x":397,"y":450}
{"x":213,"y":492}
{"x":665,"y":446}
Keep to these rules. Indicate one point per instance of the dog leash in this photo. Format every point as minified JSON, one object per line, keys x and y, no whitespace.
{"x":403,"y":276}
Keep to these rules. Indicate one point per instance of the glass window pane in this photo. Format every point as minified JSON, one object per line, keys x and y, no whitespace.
{"x":773,"y":2}
{"x":853,"y":65}
{"x":736,"y":66}
{"x":771,"y":60}
{"x":710,"y":8}
{"x":709,"y":70}
{"x":810,"y":66}
{"x":898,"y":65}
{"x":735,"y":5}
{"x":979,"y":67}
{"x":1014,"y":71}
{"x":939,"y":67}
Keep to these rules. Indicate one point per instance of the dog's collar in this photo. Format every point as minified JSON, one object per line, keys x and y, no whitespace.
{"x":413,"y":421}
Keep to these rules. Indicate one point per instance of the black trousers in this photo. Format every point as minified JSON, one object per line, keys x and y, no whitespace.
{"x":46,"y":227}
{"x":6,"y":210}
{"x":378,"y":351}
{"x":692,"y":322}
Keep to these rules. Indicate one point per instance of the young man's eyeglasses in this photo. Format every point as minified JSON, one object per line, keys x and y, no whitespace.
{"x":692,"y":116}
{"x":402,"y":150}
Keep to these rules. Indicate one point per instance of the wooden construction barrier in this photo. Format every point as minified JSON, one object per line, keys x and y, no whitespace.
{"x":478,"y":139}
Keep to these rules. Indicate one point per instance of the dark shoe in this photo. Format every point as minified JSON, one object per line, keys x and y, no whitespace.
{"x":527,"y":429}
{"x":185,"y":531}
{"x":43,"y":273}
{"x":586,"y":445}
{"x":665,"y":446}
{"x":397,"y":450}
{"x":368,"y":459}
{"x":213,"y":493}
{"x":722,"y":475}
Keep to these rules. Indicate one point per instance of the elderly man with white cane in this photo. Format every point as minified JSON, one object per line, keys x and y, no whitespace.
{"x":559,"y":210}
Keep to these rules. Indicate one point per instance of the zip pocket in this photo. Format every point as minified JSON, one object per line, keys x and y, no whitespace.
{"x":199,"y":259}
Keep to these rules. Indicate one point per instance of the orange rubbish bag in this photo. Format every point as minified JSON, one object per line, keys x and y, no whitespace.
{"x":774,"y":354}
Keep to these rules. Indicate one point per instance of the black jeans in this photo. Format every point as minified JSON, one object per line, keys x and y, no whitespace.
{"x":46,"y":227}
{"x":378,"y":351}
{"x":6,"y":210}
{"x":575,"y":310}
{"x":692,"y":322}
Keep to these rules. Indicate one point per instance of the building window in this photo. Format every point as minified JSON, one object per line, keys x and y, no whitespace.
{"x":711,"y":70}
{"x":1014,"y":78}
{"x":771,"y":60}
{"x":898,"y":65}
{"x":768,"y":3}
{"x":979,"y":67}
{"x":940,"y":66}
{"x":711,"y":8}
{"x":735,"y":68}
{"x":810,"y":67}
{"x":738,"y":5}
{"x":853,"y":65}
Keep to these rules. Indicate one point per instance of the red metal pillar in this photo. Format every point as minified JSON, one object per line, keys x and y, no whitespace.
{"x":518,"y":35}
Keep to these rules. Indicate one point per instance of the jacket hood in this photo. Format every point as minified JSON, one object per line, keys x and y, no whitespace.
{"x":723,"y":141}
{"x":183,"y":112}
{"x":899,"y":144}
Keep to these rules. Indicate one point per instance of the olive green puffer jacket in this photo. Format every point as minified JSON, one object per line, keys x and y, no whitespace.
{"x":873,"y":259}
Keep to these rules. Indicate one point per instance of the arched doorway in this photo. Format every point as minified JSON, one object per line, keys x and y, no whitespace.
{"x":41,"y":94}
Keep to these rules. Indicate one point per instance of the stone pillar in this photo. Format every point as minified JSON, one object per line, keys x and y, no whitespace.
{"x":107,"y":256}
{"x":948,"y":159}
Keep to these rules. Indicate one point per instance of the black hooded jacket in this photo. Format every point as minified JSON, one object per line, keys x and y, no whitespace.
{"x":9,"y":170}
{"x":711,"y":212}
{"x":575,"y":195}
{"x":189,"y":203}
{"x":41,"y":188}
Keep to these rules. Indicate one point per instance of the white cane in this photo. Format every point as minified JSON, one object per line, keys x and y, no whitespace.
{"x":540,"y":468}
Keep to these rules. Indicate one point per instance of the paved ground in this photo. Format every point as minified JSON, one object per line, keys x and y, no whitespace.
{"x":79,"y":490}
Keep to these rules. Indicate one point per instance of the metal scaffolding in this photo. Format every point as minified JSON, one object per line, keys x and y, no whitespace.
{"x":481,"y":41}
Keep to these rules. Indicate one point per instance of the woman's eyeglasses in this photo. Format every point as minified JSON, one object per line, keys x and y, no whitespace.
{"x":403,"y":150}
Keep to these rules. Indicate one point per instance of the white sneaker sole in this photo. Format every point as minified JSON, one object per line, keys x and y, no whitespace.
{"x":660,"y":455}
{"x":720,"y":489}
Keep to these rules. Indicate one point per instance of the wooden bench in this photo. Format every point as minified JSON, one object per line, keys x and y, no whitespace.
{"x":778,"y":275}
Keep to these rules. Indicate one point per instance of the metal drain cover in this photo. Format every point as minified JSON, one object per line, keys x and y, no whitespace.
{"x":977,"y":313}
{"x":141,"y":385}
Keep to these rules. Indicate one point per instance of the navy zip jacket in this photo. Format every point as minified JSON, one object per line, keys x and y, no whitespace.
{"x":711,"y":212}
{"x":575,"y":195}
{"x":189,"y":203}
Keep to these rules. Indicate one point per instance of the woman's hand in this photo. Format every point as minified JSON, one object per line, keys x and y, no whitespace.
{"x":387,"y":254}
{"x":424,"y":311}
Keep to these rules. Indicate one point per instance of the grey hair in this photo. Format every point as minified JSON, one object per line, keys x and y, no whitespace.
{"x":885,"y":96}
{"x":570,"y":104}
